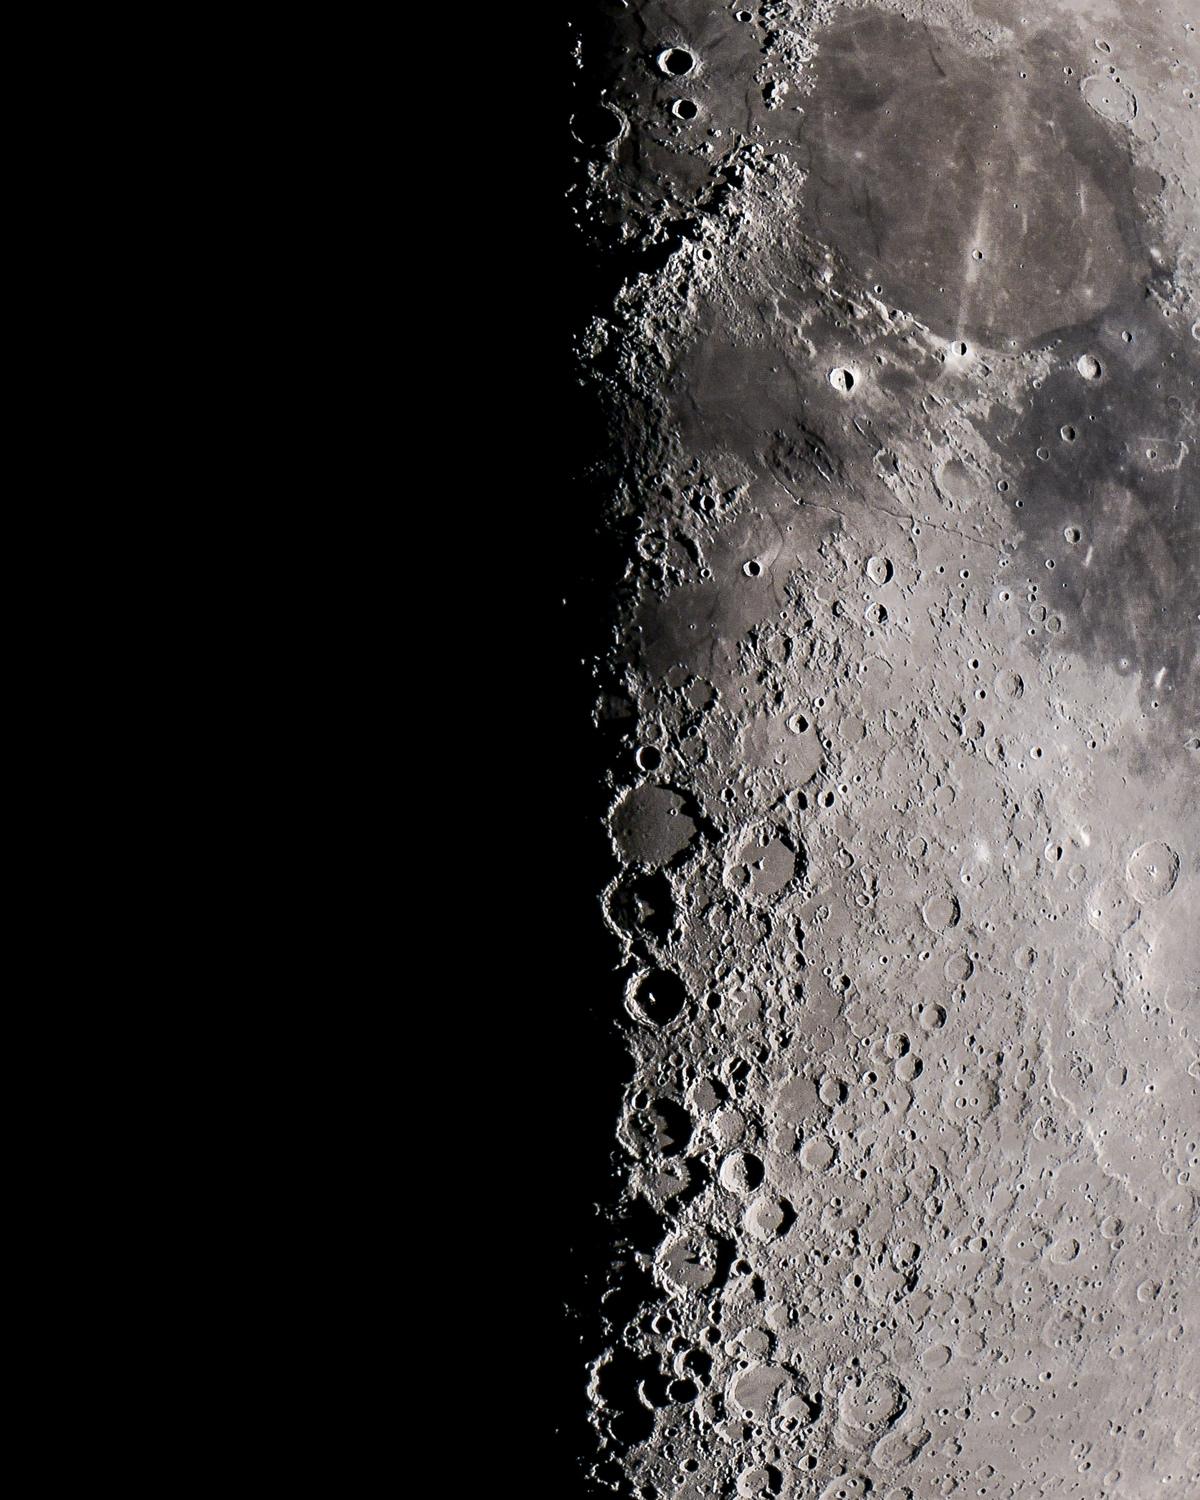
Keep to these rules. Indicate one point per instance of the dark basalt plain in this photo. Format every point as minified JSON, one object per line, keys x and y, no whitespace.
{"x":886,"y":343}
{"x":989,"y":199}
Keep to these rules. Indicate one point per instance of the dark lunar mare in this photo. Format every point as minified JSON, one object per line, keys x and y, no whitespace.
{"x":1045,"y":192}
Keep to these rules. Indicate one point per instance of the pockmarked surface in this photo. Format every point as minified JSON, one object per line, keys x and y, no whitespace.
{"x":899,"y":363}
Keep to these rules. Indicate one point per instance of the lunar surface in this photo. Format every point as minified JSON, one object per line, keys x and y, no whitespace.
{"x":885,"y":606}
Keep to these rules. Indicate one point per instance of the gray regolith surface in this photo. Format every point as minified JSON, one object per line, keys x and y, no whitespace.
{"x":901,"y":379}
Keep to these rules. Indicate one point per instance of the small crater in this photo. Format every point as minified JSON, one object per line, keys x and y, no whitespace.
{"x":676,"y":62}
{"x":658,"y":997}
